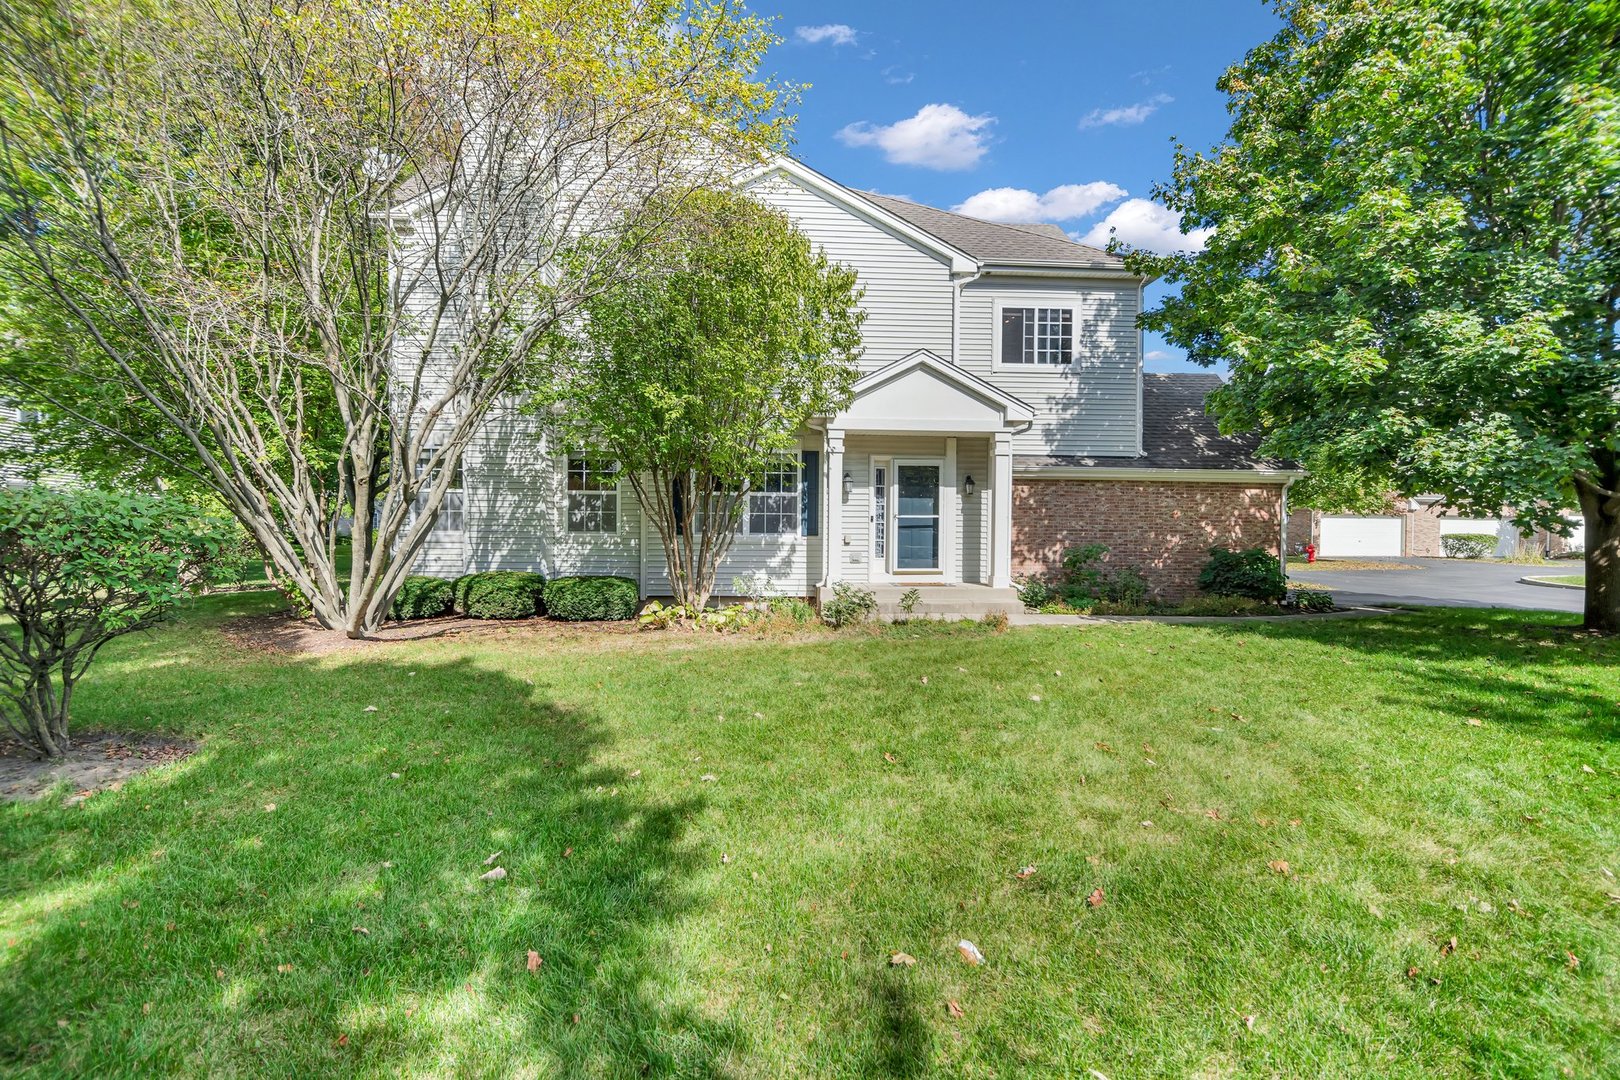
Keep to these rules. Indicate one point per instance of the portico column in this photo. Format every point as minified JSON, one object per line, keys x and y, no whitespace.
{"x":832,"y":526}
{"x":1001,"y":513}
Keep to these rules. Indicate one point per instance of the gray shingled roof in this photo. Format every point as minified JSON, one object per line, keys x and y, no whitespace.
{"x":990,"y":242}
{"x":1176,"y":434}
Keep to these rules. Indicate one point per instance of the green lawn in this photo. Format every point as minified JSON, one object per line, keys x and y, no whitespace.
{"x":743,"y":925}
{"x":1563,"y":579}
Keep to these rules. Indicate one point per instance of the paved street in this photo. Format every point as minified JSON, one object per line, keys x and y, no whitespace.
{"x":1449,"y":583}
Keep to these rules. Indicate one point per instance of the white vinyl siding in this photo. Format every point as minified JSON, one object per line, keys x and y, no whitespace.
{"x":908,"y":291}
{"x":970,"y":533}
{"x":1088,"y":406}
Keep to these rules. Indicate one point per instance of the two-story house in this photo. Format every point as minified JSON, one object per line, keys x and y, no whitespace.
{"x":1002,"y":416}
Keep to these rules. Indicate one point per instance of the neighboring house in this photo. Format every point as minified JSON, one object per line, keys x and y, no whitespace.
{"x":1002,"y":416}
{"x":1412,"y":528}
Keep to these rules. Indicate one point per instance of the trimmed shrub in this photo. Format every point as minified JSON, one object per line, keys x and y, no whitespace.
{"x":848,"y":605}
{"x":422,"y":597}
{"x":499,"y":594}
{"x":1467,"y":545}
{"x":584,"y":599}
{"x":1254,"y":573}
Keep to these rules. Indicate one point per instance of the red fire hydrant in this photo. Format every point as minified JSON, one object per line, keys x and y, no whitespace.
{"x":1310,"y":553}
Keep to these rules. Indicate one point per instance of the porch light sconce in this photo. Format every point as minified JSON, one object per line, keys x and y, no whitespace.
{"x":849,"y":485}
{"x":968,"y":486}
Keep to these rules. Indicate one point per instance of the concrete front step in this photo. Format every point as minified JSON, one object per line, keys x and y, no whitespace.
{"x":940,"y":601}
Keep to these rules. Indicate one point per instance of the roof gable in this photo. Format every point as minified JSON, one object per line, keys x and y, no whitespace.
{"x":921,"y":392}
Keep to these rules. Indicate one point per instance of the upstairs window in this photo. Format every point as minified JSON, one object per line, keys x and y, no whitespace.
{"x":452,"y":509}
{"x":593,"y":494}
{"x":1037,"y":335}
{"x":773,"y":507}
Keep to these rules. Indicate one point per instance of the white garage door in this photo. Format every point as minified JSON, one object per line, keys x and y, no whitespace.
{"x":1489,"y":526}
{"x":1360,"y":536}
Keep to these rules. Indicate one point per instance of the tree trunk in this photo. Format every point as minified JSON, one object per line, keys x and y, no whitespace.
{"x":1602,"y":567}
{"x":44,"y":715}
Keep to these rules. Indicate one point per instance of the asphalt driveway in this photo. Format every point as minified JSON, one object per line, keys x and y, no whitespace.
{"x":1447,"y":583}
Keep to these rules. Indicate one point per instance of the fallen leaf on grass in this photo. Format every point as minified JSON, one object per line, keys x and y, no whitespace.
{"x":567,"y":852}
{"x":371,"y":708}
{"x":494,"y":875}
{"x":534,"y":961}
{"x":343,"y":1040}
{"x":901,"y":959}
{"x":1449,"y":947}
{"x":634,"y":773}
{"x":1248,"y":1022}
{"x":269,"y":807}
{"x":1104,"y":747}
{"x":1412,"y":972}
{"x":360,"y":930}
{"x":1573,"y":962}
{"x":1280,"y":866}
{"x":1025,"y":873}
{"x":1096,"y":897}
{"x":490,"y":861}
{"x":1588,"y":769}
{"x":890,"y":758}
{"x":284,"y":968}
{"x":953,"y":1010}
{"x":1474,"y":721}
{"x":708,"y":778}
{"x":970,"y":952}
{"x":1213,"y":814}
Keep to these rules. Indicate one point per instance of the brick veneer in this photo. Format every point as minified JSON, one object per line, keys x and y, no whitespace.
{"x":1164,"y":529}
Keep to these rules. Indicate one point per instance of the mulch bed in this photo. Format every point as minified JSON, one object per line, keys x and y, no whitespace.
{"x":96,"y":762}
{"x":281,"y":633}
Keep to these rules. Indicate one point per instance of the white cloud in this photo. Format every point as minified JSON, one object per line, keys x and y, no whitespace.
{"x":938,"y":137}
{"x":1142,"y":223}
{"x":835,"y":33}
{"x":1063,"y":203}
{"x":895,"y":77}
{"x":1153,"y":355}
{"x":1125,"y":115}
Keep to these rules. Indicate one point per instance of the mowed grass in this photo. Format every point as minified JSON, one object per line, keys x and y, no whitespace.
{"x":743,"y":925}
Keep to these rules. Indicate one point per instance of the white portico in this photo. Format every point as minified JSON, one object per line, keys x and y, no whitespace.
{"x":918,"y":478}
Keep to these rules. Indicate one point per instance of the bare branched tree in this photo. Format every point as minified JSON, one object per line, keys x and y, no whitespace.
{"x":321,"y":241}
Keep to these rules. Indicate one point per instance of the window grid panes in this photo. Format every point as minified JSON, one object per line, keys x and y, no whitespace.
{"x":452,"y":508}
{"x":773,"y":508}
{"x":593,"y":495}
{"x":1037,"y":335}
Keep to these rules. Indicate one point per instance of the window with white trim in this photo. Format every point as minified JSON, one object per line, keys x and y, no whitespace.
{"x":1037,"y":335}
{"x":452,"y":508}
{"x":593,"y":494}
{"x":773,"y":506}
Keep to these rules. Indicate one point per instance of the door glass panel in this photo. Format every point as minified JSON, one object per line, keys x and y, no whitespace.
{"x":880,"y":511}
{"x":916,"y":517}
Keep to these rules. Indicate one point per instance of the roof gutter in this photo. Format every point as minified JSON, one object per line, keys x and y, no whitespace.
{"x":1057,"y":270}
{"x":1193,"y":476}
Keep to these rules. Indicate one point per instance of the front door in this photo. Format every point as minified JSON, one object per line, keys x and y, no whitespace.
{"x":916,"y":516}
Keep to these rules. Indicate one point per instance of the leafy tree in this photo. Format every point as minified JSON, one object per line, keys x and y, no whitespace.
{"x":697,"y":371}
{"x":1415,"y":268}
{"x":78,"y":569}
{"x":312,"y":245}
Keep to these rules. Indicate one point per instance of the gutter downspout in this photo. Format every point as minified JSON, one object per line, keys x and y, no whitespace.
{"x":956,"y":314}
{"x":1282,"y":541}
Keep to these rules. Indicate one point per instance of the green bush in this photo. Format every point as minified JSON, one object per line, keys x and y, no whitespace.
{"x":1254,"y":573}
{"x":1034,"y":593}
{"x":583,"y":599}
{"x":1084,"y":582}
{"x":1309,"y":600}
{"x":499,"y":594}
{"x":1467,"y":545}
{"x":848,"y":605}
{"x":422,"y":597}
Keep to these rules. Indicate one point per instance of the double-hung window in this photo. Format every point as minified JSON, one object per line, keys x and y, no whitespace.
{"x":1037,"y":335}
{"x":452,"y":509}
{"x":593,"y":494}
{"x":773,"y":506}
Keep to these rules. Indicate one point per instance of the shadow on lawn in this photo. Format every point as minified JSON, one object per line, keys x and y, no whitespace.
{"x":1532,"y":665}
{"x":223,"y":936}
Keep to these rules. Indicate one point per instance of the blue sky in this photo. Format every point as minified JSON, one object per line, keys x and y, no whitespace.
{"x":1018,"y":111}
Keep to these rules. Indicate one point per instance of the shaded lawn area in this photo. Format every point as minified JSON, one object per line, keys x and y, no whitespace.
{"x":742,"y":925}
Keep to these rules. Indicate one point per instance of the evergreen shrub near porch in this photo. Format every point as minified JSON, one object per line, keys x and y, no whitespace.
{"x":500,"y":594}
{"x":582,"y":599}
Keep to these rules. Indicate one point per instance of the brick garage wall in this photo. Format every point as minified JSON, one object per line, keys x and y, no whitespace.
{"x":1164,"y":529}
